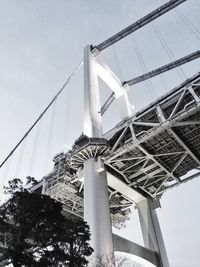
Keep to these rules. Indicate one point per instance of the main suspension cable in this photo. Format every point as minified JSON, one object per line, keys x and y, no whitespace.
{"x":140,"y":23}
{"x":49,"y":137}
{"x":42,"y":114}
{"x":35,"y":147}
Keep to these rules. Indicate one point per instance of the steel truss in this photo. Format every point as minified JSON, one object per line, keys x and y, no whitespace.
{"x":155,"y":148}
{"x":64,"y":185}
{"x":151,"y":152}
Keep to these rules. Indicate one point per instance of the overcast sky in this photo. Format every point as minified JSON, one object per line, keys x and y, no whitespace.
{"x":41,"y":42}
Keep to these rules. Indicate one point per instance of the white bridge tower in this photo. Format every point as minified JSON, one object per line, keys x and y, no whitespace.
{"x":96,"y":201}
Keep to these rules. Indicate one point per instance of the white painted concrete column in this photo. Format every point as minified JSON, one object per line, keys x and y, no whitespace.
{"x":92,"y":108}
{"x":151,"y":231}
{"x":96,"y":201}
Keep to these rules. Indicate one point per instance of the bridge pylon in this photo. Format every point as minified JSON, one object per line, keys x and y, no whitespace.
{"x":96,"y":201}
{"x":151,"y":231}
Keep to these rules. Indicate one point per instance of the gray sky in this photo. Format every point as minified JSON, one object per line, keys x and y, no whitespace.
{"x":40,"y":44}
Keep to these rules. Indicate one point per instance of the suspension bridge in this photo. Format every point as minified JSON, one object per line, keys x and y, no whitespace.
{"x":147,"y":153}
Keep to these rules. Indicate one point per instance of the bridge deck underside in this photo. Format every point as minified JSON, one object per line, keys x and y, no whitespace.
{"x":150,"y":152}
{"x":158,"y":146}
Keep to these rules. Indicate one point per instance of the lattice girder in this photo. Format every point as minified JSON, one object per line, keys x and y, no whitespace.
{"x":165,"y":135}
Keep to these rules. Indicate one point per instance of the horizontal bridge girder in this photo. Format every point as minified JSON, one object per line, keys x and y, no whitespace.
{"x":123,"y":188}
{"x":123,"y":245}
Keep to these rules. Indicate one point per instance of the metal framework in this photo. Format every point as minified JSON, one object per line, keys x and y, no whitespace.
{"x":161,"y":143}
{"x":151,"y":152}
{"x":64,"y":185}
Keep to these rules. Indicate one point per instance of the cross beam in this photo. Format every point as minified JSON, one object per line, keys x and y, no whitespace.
{"x":139,"y":23}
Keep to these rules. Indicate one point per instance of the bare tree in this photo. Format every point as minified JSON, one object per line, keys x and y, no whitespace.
{"x":117,"y":260}
{"x":121,"y":261}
